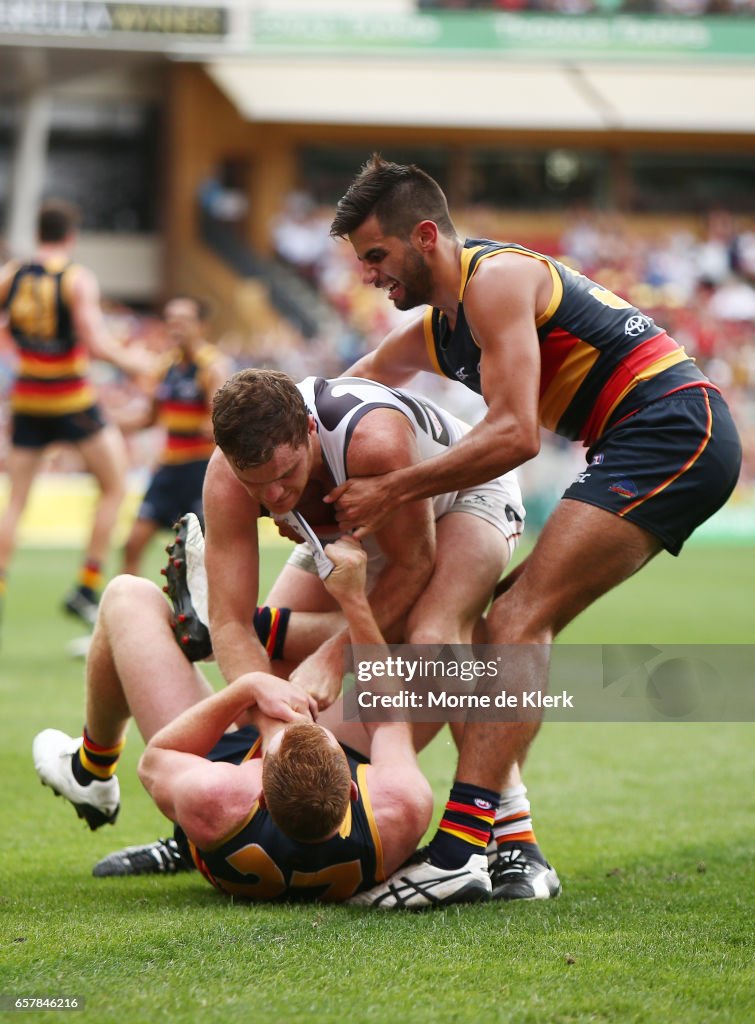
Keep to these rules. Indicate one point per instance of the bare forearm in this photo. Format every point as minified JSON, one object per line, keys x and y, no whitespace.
{"x":486,"y":452}
{"x":360,"y":622}
{"x":237,"y":650}
{"x":198,"y":729}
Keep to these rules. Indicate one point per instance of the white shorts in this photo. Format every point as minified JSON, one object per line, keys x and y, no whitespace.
{"x":498,"y":502}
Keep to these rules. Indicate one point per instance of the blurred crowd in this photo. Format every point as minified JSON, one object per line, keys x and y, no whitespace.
{"x":690,"y":8}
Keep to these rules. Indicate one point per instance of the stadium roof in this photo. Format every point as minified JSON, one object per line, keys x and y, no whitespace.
{"x":487,"y":69}
{"x":569,"y":95}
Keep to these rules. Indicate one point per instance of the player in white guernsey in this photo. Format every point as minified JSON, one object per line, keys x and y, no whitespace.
{"x":282,"y":448}
{"x":338,"y":405}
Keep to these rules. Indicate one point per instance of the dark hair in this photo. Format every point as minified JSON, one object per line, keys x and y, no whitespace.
{"x":307,"y":784}
{"x":255,"y":412}
{"x":201,"y":305}
{"x":56,"y":220}
{"x":400,"y":196}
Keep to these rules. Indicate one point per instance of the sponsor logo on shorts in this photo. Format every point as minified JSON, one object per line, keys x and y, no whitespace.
{"x":581,"y":478}
{"x":463,"y":374}
{"x":626,"y":488}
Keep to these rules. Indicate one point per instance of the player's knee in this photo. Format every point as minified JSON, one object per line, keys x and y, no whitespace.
{"x":132,"y":549}
{"x":513,"y":621}
{"x":125,"y":593}
{"x":437,"y":630}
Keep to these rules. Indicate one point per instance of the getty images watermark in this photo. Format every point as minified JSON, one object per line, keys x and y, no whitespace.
{"x":563,"y":682}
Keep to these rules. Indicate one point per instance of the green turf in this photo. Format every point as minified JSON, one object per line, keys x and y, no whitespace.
{"x":650,"y":826}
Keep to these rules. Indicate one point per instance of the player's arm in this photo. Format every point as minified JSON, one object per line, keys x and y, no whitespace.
{"x":401,"y":796}
{"x":141,"y":412}
{"x":208,"y":799}
{"x":382,"y":441}
{"x":6,"y":276}
{"x":401,"y":355}
{"x":83,"y":293}
{"x":232,"y":565}
{"x":500,"y":307}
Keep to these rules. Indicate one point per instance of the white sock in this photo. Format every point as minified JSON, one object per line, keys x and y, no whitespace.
{"x":513,"y":816}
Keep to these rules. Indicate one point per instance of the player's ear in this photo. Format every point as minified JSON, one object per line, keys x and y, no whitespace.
{"x":354,"y":793}
{"x":425,"y":234}
{"x":311,"y":425}
{"x":262,"y":801}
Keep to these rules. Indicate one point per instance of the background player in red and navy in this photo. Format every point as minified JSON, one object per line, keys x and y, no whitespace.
{"x":54,"y":316}
{"x":186,"y":380}
{"x":544,"y":346}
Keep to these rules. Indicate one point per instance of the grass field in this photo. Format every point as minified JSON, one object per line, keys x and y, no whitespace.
{"x":650,"y":826}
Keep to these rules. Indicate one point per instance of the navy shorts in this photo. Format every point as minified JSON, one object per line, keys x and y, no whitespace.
{"x":667,"y":467}
{"x":172,"y":492}
{"x":40,"y":431}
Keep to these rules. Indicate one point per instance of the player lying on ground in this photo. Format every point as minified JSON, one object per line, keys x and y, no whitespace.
{"x":275,"y":809}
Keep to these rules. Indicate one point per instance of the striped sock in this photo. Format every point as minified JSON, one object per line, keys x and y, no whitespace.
{"x":513,"y":821}
{"x":271,"y":625}
{"x":465,"y":826}
{"x":92,"y":761}
{"x":90,"y":578}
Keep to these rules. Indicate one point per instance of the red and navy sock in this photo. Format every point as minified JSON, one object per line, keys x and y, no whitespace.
{"x":465,"y":827}
{"x":94,"y":762}
{"x":271,"y":625}
{"x":90,"y":579}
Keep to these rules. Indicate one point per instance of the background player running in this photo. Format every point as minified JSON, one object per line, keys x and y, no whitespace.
{"x":54,"y":316}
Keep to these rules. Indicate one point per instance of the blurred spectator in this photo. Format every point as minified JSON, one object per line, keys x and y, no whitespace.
{"x":300,"y":236}
{"x":684,"y":8}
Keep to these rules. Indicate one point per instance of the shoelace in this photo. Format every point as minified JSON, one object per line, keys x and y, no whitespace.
{"x":512,"y":862}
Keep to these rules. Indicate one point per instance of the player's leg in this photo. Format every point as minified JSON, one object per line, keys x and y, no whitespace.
{"x":132,"y":636}
{"x":23,"y":465}
{"x":141,"y":533}
{"x":554,"y":587}
{"x":582,"y":553}
{"x":448,"y":612}
{"x":454,"y":600}
{"x":106,"y":459}
{"x":155,"y":509}
{"x":174,"y":491}
{"x":311,"y":614}
{"x":104,"y":455}
{"x":132,"y":643}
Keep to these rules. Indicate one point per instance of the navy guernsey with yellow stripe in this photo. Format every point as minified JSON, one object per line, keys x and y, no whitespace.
{"x":184,"y":404}
{"x":259,"y":862}
{"x":52,"y":370}
{"x":601,"y":357}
